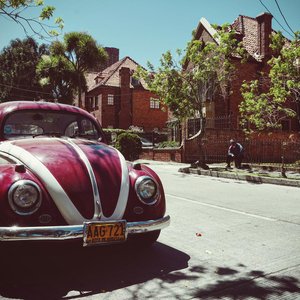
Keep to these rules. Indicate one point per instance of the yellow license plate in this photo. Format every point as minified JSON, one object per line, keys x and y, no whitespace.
{"x":104,"y":232}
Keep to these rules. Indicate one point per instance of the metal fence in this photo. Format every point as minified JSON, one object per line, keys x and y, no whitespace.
{"x":220,"y":122}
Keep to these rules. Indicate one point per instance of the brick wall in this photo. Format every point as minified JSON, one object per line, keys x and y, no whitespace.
{"x":247,"y":71}
{"x":143,"y":115}
{"x":125,"y":113}
{"x":107,"y":114}
{"x":162,"y":154}
{"x":261,"y":147}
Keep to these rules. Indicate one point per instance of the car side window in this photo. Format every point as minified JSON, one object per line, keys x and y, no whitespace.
{"x":72,"y":129}
{"x":82,"y":128}
{"x":88,"y":129}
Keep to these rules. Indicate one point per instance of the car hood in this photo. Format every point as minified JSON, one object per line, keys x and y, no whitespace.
{"x":86,"y":180}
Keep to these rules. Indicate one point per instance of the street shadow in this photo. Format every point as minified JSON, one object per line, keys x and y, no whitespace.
{"x":234,"y":284}
{"x":70,"y":272}
{"x":219,"y":283}
{"x":52,"y":271}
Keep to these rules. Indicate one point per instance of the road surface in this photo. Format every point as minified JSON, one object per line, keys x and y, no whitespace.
{"x":227,"y":240}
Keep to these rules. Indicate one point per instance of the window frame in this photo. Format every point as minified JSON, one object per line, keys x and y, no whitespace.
{"x":110,"y":99}
{"x":154,"y":103}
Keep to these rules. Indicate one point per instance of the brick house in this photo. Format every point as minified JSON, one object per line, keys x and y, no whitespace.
{"x":223,"y":118}
{"x":255,"y":34}
{"x":118,"y":100}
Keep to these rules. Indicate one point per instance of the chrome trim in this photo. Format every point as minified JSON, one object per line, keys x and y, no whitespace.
{"x":25,"y":211}
{"x":97,"y":202}
{"x":155,"y":198}
{"x":70,"y":232}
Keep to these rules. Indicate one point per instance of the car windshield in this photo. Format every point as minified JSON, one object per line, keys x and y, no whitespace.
{"x":22,"y":124}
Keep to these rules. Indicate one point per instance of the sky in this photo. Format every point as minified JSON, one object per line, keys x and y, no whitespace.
{"x":145,"y":29}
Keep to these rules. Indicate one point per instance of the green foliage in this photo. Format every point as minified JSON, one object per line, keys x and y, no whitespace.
{"x":204,"y":70}
{"x":63,"y":70}
{"x":18,"y":76}
{"x":168,"y":144}
{"x":58,"y":76}
{"x":16,"y":11}
{"x":266,"y":109}
{"x":129,"y":145}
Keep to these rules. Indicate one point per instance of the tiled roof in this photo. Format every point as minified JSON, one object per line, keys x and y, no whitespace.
{"x":110,"y":75}
{"x":248,"y":27}
{"x":90,"y":78}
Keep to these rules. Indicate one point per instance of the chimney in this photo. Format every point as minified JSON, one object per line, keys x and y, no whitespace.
{"x":264,"y":33}
{"x":125,"y":114}
{"x":113,"y":57}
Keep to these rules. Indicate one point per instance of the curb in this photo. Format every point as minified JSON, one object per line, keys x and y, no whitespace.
{"x":245,"y":177}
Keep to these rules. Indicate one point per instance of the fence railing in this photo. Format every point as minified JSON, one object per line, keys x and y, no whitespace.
{"x":219,"y":122}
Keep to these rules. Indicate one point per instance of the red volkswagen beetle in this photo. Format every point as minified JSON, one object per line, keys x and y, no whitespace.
{"x":61,"y":181}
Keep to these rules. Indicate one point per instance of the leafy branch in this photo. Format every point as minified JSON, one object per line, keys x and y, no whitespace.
{"x":17,"y":11}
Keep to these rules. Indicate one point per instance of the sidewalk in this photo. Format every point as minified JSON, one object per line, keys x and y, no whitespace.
{"x":252,"y":173}
{"x":255,"y":174}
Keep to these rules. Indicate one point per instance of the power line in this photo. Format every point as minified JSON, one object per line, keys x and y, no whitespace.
{"x":275,"y":18}
{"x":39,"y":92}
{"x":25,"y":90}
{"x":284,"y":17}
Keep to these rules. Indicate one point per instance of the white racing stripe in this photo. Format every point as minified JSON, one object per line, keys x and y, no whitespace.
{"x":64,"y":204}
{"x":82,"y":156}
{"x":124,"y":191}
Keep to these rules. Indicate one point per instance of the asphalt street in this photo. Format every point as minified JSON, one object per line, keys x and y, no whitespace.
{"x":228,"y":239}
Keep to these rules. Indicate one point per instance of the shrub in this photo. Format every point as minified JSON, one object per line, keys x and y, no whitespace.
{"x":168,"y":144}
{"x":129,"y":145}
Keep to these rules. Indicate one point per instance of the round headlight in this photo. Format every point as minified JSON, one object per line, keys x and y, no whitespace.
{"x":147,"y":190}
{"x":24,"y":197}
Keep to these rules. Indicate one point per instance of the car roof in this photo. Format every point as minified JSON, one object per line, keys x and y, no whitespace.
{"x":8,"y":107}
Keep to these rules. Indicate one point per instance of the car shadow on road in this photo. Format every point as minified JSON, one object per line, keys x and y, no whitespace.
{"x":53,"y":271}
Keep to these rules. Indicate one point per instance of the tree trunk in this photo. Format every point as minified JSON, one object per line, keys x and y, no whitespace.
{"x":79,"y":92}
{"x":201,"y":162}
{"x":79,"y":97}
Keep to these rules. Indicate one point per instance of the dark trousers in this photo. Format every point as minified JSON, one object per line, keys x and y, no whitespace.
{"x":237,"y":160}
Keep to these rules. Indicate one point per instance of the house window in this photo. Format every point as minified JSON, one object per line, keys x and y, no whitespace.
{"x":193,"y":126}
{"x":110,"y":99}
{"x":96,"y":102}
{"x":92,"y":103}
{"x":154,"y":103}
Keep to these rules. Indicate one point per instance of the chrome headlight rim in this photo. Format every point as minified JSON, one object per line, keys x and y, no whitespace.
{"x":22,"y":210}
{"x":152,"y":200}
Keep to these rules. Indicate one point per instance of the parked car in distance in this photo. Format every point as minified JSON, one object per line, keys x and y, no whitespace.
{"x":146,"y":143}
{"x":61,"y":181}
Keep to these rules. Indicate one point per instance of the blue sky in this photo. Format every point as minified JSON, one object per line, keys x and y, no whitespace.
{"x":144,"y":29}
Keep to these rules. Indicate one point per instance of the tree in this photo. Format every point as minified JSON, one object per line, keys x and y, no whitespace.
{"x":15,"y":10}
{"x":204,"y":70}
{"x":18,"y":77}
{"x":57,"y":75}
{"x":265,"y":106}
{"x":77,"y":53}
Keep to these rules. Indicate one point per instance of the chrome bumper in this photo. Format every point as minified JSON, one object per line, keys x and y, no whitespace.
{"x":53,"y":233}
